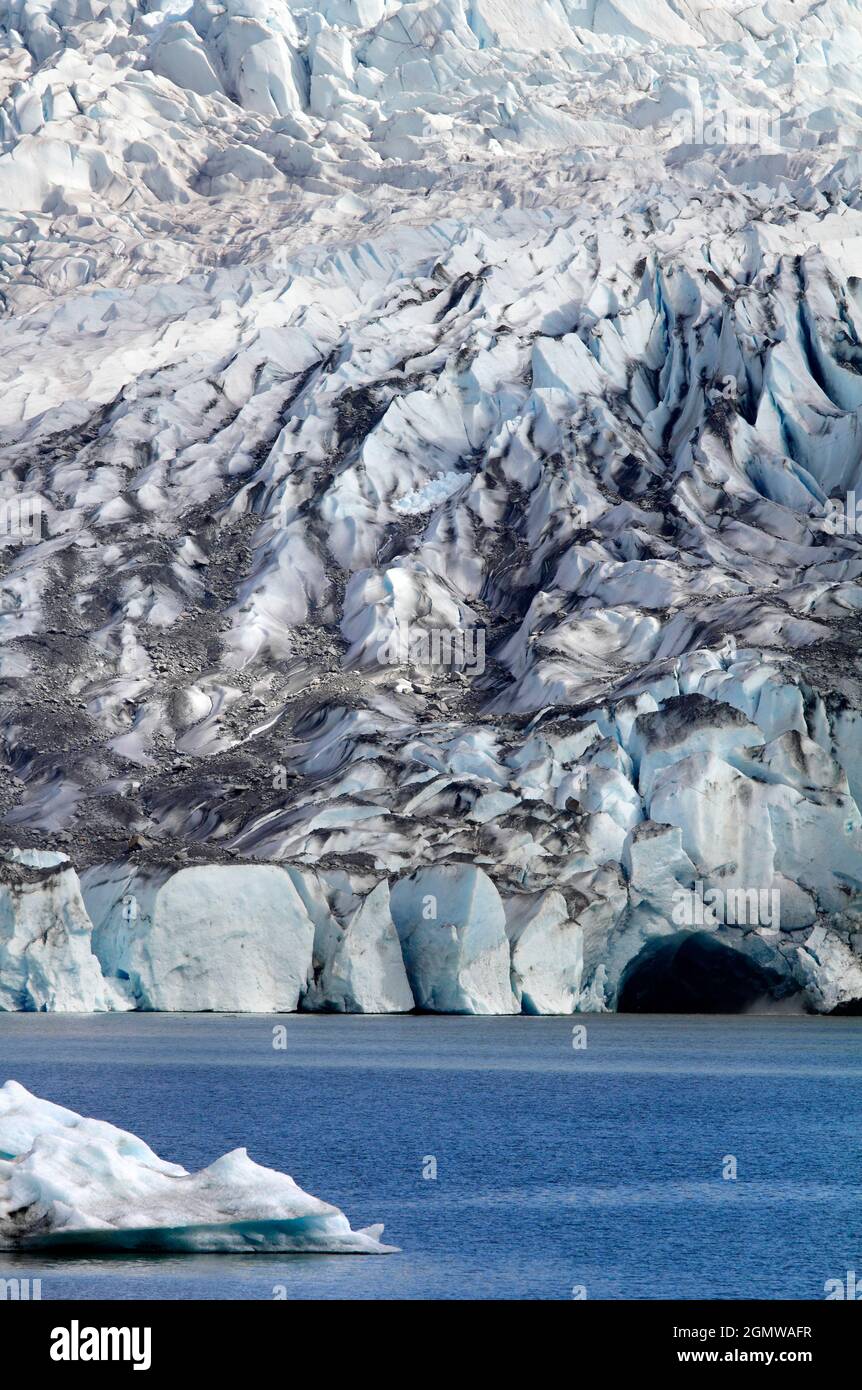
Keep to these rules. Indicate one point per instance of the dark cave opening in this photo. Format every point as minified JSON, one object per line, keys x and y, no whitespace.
{"x":693,"y":973}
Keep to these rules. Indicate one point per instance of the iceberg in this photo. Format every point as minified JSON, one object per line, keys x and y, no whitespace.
{"x":67,"y":1182}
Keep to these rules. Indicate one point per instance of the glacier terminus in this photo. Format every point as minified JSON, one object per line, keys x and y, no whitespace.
{"x":429,"y":556}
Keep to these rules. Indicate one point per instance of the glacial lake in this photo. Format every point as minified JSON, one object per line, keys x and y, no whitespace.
{"x":556,"y":1167}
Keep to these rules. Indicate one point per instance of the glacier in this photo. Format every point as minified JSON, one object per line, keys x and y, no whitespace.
{"x":321,"y":324}
{"x":67,"y":1182}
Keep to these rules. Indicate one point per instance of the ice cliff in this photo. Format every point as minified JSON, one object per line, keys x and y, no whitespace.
{"x":341,"y":343}
{"x":66,"y":1181}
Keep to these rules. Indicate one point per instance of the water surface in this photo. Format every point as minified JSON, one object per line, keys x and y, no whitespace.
{"x":557,"y":1167}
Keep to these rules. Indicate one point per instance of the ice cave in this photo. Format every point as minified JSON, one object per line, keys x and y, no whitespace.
{"x":692,"y":972}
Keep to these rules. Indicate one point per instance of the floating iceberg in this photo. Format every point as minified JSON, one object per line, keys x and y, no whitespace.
{"x":67,"y":1181}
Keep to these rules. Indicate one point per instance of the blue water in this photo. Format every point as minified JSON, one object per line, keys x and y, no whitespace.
{"x":556,"y":1167}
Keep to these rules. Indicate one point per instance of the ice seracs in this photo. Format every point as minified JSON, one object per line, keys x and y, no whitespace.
{"x":71,"y":1182}
{"x":452,"y":928}
{"x":357,"y":965}
{"x":47,"y":961}
{"x":547,"y":953}
{"x":453,"y":937}
{"x":227,"y":938}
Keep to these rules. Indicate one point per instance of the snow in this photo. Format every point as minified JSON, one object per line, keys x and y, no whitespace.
{"x":429,"y":497}
{"x":70,"y":1181}
{"x":324,"y":323}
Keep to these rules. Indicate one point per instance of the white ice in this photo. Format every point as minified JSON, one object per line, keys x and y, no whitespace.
{"x":71,"y":1182}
